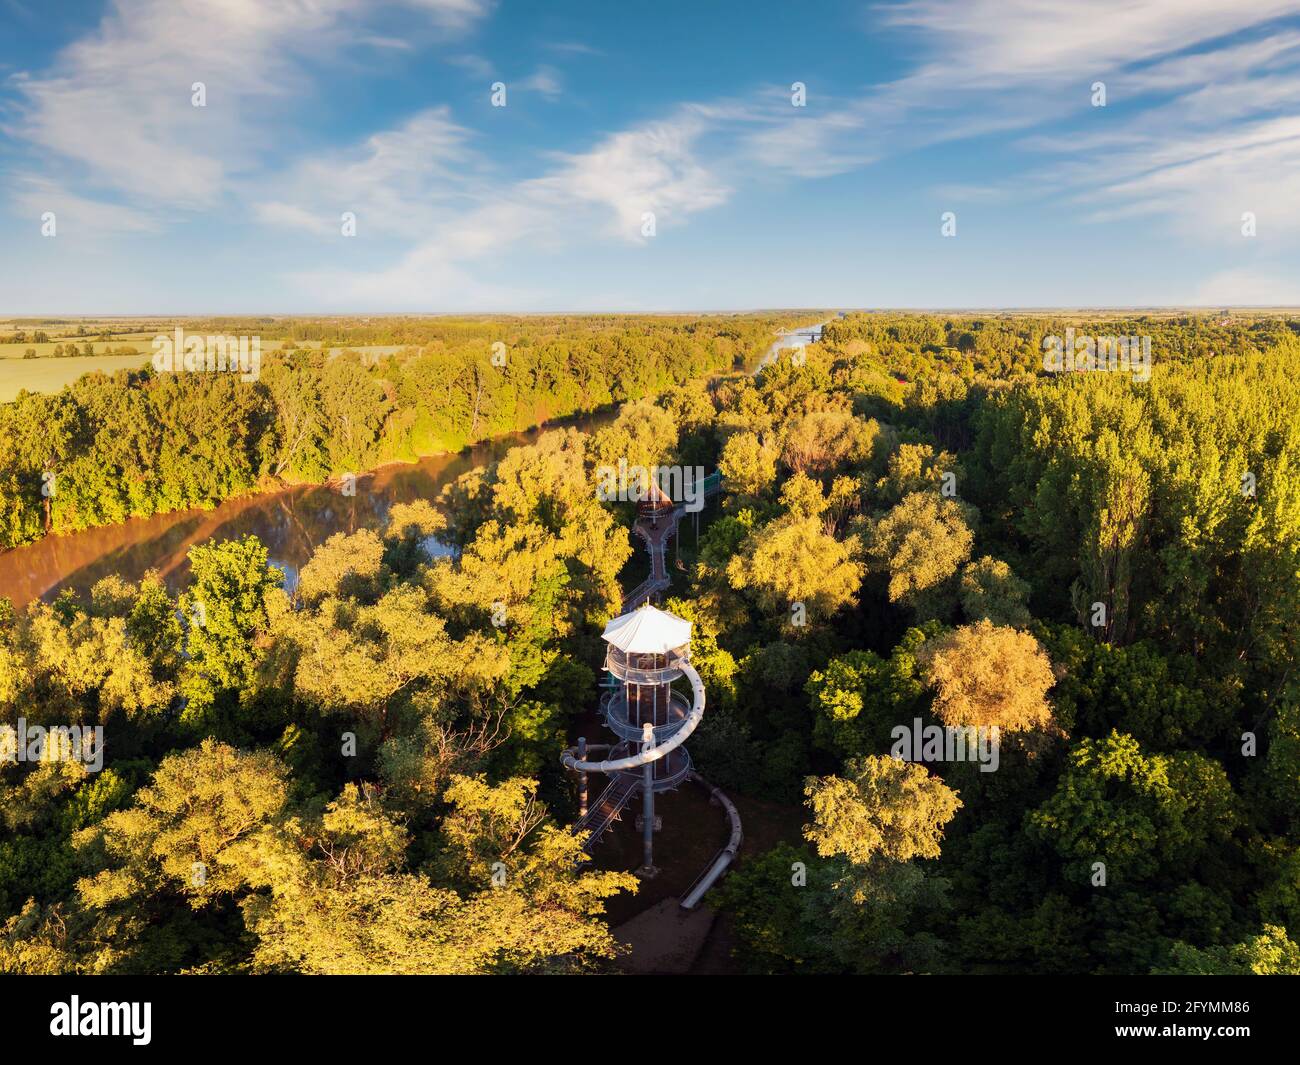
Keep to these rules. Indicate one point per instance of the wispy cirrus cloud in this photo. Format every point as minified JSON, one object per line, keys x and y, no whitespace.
{"x":991,"y":43}
{"x":35,"y":195}
{"x":401,"y":180}
{"x":572,"y":48}
{"x":545,"y":80}
{"x":993,"y":66}
{"x":1217,"y":134}
{"x":1206,"y":182}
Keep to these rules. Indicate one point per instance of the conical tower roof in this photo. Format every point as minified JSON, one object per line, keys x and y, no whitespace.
{"x":647,"y":631}
{"x":656,"y":495}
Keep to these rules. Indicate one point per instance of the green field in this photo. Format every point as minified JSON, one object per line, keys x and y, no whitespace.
{"x":45,"y":373}
{"x":50,"y":375}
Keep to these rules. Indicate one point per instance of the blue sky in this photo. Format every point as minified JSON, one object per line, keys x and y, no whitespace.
{"x":614,"y":110}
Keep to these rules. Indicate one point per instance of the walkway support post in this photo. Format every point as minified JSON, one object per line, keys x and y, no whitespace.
{"x":648,"y":804}
{"x":582,"y":778}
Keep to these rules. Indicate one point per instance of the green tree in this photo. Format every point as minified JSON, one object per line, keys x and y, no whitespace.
{"x":859,"y":697}
{"x":1271,"y":953}
{"x":990,"y":590}
{"x":227,"y":612}
{"x":1140,"y":814}
{"x":919,"y":545}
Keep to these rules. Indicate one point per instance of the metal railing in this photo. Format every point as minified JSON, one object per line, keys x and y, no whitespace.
{"x":615,"y":707}
{"x":570,"y":759}
{"x":714,"y":870}
{"x":643,"y":591}
{"x":617,"y":663}
{"x":606,"y":809}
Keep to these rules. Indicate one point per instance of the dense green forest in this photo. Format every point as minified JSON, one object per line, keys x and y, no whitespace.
{"x":136,"y":443}
{"x":362,"y":774}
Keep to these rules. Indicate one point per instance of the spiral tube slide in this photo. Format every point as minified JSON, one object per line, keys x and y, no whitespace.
{"x":649,"y":753}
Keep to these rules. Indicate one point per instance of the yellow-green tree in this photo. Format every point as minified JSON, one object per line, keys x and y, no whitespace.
{"x":919,"y":544}
{"x":988,"y":676}
{"x":794,"y":560}
{"x":748,"y":466}
{"x":881,"y":808}
{"x":181,"y":832}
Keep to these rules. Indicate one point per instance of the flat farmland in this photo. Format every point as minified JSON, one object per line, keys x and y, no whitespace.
{"x":51,"y":374}
{"x":47,"y":373}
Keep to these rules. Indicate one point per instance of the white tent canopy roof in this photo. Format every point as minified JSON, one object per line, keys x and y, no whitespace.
{"x":647,"y":631}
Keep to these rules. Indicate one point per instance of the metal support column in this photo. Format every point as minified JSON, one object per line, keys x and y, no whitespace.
{"x":648,"y":805}
{"x":582,"y":778}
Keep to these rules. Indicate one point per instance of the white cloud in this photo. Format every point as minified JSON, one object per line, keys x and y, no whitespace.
{"x":296,"y":216}
{"x":397,"y":181}
{"x":454,"y":14}
{"x":650,"y":168}
{"x":118,"y":101}
{"x":989,"y":43}
{"x":544,"y":80}
{"x":572,"y":48}
{"x":1198,"y":162}
{"x":998,"y":65}
{"x":599,"y":194}
{"x":76,"y":216}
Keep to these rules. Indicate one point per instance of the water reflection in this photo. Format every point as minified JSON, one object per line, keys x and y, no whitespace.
{"x":809,"y":334}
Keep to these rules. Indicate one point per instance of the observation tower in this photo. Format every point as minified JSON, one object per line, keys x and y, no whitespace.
{"x":649,"y":649}
{"x":654,"y":503}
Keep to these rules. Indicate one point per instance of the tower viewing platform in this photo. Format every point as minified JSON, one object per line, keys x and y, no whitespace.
{"x":649,"y":650}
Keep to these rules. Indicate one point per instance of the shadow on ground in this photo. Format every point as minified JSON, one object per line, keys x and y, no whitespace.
{"x":663,"y":938}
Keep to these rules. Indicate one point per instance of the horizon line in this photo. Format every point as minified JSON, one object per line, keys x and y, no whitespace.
{"x":906,"y":309}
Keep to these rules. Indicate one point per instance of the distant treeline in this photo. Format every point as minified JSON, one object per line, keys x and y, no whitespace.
{"x":108,"y":448}
{"x":1004,"y":346}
